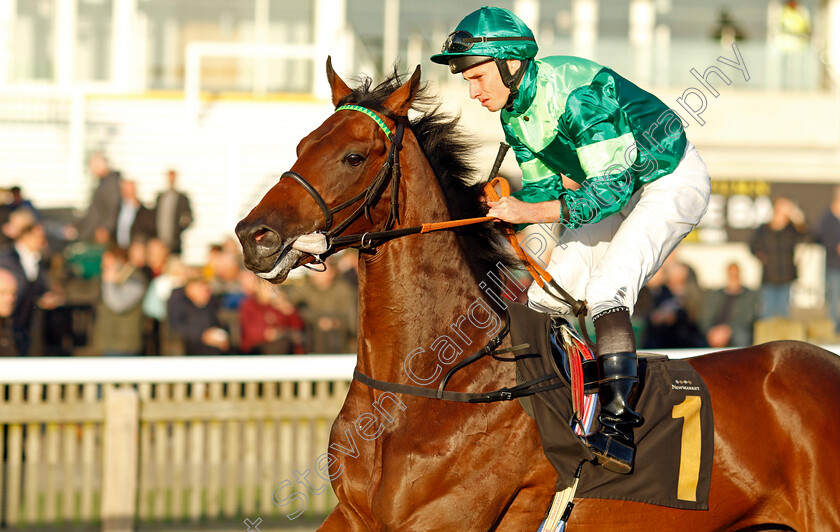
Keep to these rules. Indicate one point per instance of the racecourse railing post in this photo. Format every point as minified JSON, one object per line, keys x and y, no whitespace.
{"x":120,"y":459}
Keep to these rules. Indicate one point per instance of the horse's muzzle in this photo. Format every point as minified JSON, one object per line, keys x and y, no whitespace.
{"x":260,"y":245}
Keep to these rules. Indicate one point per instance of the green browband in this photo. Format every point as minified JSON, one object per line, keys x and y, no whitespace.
{"x":371,"y":114}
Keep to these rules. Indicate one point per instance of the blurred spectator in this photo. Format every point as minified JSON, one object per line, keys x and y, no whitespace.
{"x":18,"y":201}
{"x":774,"y":244}
{"x":213,"y":255}
{"x":118,"y":327}
{"x":173,"y":214}
{"x":157,"y":255}
{"x":645,"y":304}
{"x":669,"y":322}
{"x":231,"y":245}
{"x":104,"y":203}
{"x":137,"y":257}
{"x":828,"y":234}
{"x":727,"y":30}
{"x":791,"y":31}
{"x":8,"y":292}
{"x":84,"y":259}
{"x":268,"y":320}
{"x":135,"y":222}
{"x":328,"y":304}
{"x":348,"y":266}
{"x":25,"y":260}
{"x":193,"y":317}
{"x":226,"y":283}
{"x":173,"y":275}
{"x":5,"y":204}
{"x":729,"y":314}
{"x":682,"y":282}
{"x":795,"y":27}
{"x":18,"y":220}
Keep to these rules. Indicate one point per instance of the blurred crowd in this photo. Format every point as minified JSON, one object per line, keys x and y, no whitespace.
{"x":113,"y":282}
{"x":673,"y":310}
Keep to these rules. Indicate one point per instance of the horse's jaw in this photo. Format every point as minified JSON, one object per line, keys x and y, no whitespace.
{"x":286,"y":261}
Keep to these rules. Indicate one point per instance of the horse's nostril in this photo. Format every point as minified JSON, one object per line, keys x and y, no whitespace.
{"x":265,"y":237}
{"x":260,"y":234}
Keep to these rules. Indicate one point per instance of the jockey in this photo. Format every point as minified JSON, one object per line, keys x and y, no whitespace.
{"x":608,"y":164}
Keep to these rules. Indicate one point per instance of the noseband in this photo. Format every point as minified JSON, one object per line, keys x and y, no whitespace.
{"x":389,"y":173}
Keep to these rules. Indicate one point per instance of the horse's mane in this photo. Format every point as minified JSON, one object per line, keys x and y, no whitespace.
{"x":449,"y":150}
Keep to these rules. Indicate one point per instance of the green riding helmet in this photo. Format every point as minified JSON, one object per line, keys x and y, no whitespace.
{"x":489,"y":34}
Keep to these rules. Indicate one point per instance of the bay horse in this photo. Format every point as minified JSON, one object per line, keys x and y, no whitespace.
{"x":418,"y":464}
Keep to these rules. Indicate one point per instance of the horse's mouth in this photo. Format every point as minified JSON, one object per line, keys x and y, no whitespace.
{"x":288,"y":259}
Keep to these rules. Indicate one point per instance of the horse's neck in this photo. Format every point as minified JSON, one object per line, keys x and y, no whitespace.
{"x":409,"y":297}
{"x":414,"y":291}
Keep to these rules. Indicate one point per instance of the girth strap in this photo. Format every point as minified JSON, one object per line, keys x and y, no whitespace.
{"x":505,"y":394}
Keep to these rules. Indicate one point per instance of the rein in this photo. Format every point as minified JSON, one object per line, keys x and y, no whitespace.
{"x":331,"y":238}
{"x":389,"y":172}
{"x":543,"y":279}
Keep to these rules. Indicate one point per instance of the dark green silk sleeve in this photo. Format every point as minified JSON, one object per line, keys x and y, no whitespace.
{"x":600,"y":130}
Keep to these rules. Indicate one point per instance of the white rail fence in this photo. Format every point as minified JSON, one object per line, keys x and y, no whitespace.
{"x":122,"y":442}
{"x":117,"y":442}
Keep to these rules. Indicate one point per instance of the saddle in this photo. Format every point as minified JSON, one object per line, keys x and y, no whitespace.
{"x":675,"y":445}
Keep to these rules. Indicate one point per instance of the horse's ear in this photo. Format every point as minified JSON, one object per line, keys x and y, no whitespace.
{"x":399,"y":102}
{"x":339,"y":88}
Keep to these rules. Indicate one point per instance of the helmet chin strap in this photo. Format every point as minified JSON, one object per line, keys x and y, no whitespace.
{"x":511,"y":81}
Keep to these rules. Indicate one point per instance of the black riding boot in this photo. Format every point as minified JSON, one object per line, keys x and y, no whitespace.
{"x":613,"y":444}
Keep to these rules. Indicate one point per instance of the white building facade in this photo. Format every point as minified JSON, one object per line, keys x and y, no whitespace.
{"x":222,"y":90}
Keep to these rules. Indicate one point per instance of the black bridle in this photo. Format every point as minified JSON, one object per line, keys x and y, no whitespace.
{"x":390,"y":172}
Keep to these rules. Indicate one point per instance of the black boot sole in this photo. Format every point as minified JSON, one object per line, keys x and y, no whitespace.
{"x":612,"y":454}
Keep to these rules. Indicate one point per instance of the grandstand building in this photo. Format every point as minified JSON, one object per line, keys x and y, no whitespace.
{"x":224,"y":90}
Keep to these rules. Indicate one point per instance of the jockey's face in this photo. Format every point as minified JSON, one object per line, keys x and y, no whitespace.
{"x":486,"y":84}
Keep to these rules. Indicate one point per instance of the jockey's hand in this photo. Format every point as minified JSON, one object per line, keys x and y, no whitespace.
{"x":515,"y":211}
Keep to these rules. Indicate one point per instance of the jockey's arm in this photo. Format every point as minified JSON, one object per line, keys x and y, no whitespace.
{"x":512,"y":210}
{"x":516,"y":211}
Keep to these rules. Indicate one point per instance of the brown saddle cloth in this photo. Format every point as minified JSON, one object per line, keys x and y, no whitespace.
{"x":674,"y":446}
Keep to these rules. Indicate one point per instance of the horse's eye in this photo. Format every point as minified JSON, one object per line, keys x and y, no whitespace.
{"x":354,"y":159}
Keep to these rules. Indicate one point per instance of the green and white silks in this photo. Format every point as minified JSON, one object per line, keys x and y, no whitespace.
{"x":575,"y":117}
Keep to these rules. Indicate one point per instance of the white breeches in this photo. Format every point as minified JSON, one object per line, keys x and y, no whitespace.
{"x":608,"y":262}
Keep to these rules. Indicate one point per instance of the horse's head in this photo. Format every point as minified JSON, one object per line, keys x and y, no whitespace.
{"x":338,"y":185}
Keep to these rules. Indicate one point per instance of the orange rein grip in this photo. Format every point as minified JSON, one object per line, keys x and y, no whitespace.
{"x":490,"y":188}
{"x":489,"y":191}
{"x":438,"y":226}
{"x":537,"y":272}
